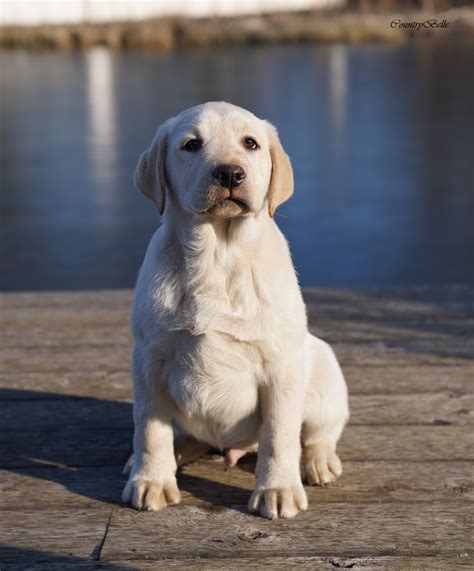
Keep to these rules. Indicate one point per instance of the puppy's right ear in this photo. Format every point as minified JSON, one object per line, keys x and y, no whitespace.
{"x":281,"y":182}
{"x":150,"y":174}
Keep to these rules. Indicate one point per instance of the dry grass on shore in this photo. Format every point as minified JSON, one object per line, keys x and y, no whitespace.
{"x":301,"y":27}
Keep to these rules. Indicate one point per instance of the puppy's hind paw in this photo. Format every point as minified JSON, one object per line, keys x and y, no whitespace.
{"x":128,"y":466}
{"x":321,"y":464}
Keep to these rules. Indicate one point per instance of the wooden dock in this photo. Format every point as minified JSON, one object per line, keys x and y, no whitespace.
{"x":405,"y":500}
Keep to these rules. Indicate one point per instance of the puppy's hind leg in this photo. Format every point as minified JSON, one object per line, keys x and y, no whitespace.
{"x":325,"y":415}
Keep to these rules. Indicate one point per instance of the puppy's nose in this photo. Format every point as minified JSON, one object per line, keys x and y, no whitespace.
{"x":229,"y":176}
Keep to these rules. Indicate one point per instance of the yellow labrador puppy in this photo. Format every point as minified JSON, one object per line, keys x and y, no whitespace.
{"x":222,"y":350}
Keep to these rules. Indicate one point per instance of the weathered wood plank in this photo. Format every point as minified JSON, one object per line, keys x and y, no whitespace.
{"x":101,"y":383}
{"x":29,"y":328}
{"x":116,"y":384}
{"x":91,"y":413}
{"x":379,"y":353}
{"x":454,"y":296}
{"x":104,"y":298}
{"x":345,"y":529}
{"x":310,"y":563}
{"x":52,"y":533}
{"x":425,"y":408}
{"x":207,"y":481}
{"x":57,"y":359}
{"x":19,"y":335}
{"x":367,"y":329}
{"x":30,"y":333}
{"x":406,"y":490}
{"x":71,"y":488}
{"x":394,"y":300}
{"x":24,"y":328}
{"x":110,"y":447}
{"x":75,"y":314}
{"x":74,"y":412}
{"x":443,"y":563}
{"x":361,"y":482}
{"x":89,"y":358}
{"x":65,"y":447}
{"x":407,"y":443}
{"x":385,"y":380}
{"x":366,"y":326}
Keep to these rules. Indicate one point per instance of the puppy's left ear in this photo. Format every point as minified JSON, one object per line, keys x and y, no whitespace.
{"x":281,"y":181}
{"x":150,"y":174}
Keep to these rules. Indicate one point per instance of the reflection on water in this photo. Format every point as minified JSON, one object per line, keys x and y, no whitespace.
{"x":381,"y":139}
{"x":101,"y":115}
{"x":338,"y":90}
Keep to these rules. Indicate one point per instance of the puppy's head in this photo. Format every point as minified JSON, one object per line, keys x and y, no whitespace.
{"x":216,"y":160}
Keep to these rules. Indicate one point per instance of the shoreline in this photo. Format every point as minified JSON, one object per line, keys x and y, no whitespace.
{"x":294,"y":27}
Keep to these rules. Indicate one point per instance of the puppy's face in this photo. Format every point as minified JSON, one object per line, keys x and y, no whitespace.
{"x":216,"y":160}
{"x":219,"y":161}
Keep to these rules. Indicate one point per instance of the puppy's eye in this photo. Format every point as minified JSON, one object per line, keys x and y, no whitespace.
{"x":251,"y":144}
{"x":192,"y":145}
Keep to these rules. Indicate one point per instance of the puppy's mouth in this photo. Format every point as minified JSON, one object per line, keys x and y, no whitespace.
{"x":227,"y":208}
{"x":238,"y":201}
{"x":231,"y":205}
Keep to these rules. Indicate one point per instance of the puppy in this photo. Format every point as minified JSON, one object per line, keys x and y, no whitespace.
{"x":222,"y":350}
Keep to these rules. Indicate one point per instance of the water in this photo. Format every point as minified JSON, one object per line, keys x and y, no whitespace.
{"x":381,"y":139}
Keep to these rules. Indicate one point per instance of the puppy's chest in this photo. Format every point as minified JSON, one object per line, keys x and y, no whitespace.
{"x":213,"y":381}
{"x":233,"y":304}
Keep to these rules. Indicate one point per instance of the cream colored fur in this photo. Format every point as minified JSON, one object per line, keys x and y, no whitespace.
{"x":222,"y":350}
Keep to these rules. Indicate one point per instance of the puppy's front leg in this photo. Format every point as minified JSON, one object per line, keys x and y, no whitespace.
{"x":279,"y":491}
{"x":152,"y":481}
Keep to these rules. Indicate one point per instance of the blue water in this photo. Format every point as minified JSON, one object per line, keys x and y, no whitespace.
{"x":381,"y":139}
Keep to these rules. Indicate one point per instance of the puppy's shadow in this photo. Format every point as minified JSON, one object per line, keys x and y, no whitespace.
{"x":221,"y":486}
{"x":78,"y":446}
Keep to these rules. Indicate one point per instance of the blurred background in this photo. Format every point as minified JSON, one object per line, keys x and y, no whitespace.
{"x":377,"y":119}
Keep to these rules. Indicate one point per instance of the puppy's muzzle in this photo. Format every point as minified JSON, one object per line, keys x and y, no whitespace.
{"x":228,"y":193}
{"x":229,"y":176}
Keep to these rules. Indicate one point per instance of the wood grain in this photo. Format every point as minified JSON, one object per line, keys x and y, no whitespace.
{"x":207,"y":481}
{"x":404,"y":500}
{"x":100,"y":327}
{"x":435,"y":563}
{"x":106,"y":384}
{"x":46,"y":534}
{"x":388,"y":379}
{"x":100,"y":383}
{"x":56,"y":360}
{"x":345,"y":529}
{"x":90,"y":413}
{"x":83,"y":447}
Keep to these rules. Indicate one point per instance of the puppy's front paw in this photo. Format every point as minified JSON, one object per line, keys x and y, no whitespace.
{"x":321,"y":464}
{"x":152,"y":495}
{"x":284,"y":502}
